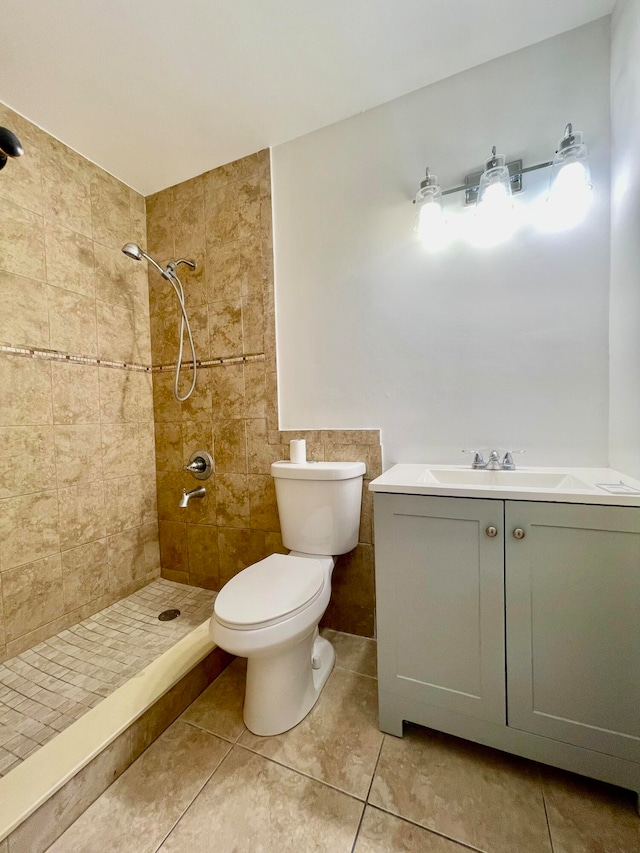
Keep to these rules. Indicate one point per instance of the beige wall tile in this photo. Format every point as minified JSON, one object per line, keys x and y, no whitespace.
{"x":225,"y":328}
{"x":232,"y":500}
{"x":26,"y":460}
{"x":76,"y":398}
{"x":21,"y":241}
{"x":221,"y":211}
{"x":72,"y":322}
{"x":143,"y":384}
{"x":260,"y":453}
{"x":110,"y":216}
{"x":169,"y":446}
{"x":188,"y":217}
{"x":159,"y":207}
{"x":2,"y":632}
{"x":238,"y":549}
{"x":28,"y":528}
{"x":85,"y":573}
{"x":166,"y":407}
{"x":264,"y":508}
{"x":116,"y":276}
{"x":26,"y":391}
{"x":199,"y":322}
{"x":69,"y":259}
{"x":116,"y":332}
{"x":173,"y":546}
{"x":78,"y":454}
{"x":347,"y":453}
{"x":228,"y":390}
{"x":24,"y":319}
{"x":126,"y":557}
{"x":138,"y":215}
{"x":255,"y":389}
{"x":233,"y":270}
{"x":32,"y":595}
{"x":202,"y":549}
{"x":82,"y":514}
{"x":119,"y":391}
{"x":230,"y":446}
{"x":151,"y":547}
{"x":196,"y":435}
{"x":119,"y":450}
{"x":366,"y":515}
{"x":352,"y":604}
{"x":66,"y":178}
{"x":123,"y":504}
{"x":252,"y":324}
{"x":170,"y":485}
{"x":146,"y":451}
{"x":198,"y":406}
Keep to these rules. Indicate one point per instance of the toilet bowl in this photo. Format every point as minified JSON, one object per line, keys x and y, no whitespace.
{"x":269,"y":612}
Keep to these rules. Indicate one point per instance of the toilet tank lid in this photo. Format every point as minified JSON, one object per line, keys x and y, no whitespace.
{"x":317,"y":470}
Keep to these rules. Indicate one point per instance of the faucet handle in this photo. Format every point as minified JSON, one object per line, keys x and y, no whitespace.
{"x":507,"y":463}
{"x":478,"y":459}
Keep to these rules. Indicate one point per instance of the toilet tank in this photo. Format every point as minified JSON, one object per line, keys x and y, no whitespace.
{"x":319,"y":505}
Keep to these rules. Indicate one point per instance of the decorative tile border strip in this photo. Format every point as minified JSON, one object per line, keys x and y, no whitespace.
{"x":58,"y":355}
{"x":214,"y":362}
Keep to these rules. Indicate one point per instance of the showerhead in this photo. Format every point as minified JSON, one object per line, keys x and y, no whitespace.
{"x":10,"y":146}
{"x":132,"y":250}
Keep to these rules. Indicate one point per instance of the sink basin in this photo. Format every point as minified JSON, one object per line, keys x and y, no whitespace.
{"x":515,"y":479}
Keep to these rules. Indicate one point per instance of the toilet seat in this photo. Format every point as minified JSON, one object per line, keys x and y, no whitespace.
{"x":269,"y":591}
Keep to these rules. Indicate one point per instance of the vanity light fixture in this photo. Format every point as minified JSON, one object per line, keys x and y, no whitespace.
{"x":492,"y":190}
{"x":429,"y":221}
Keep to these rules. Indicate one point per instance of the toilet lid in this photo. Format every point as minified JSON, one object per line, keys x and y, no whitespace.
{"x":269,"y":591}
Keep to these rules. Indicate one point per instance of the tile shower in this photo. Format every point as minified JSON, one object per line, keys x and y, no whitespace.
{"x":93,"y":442}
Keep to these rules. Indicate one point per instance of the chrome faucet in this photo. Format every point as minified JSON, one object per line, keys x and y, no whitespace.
{"x":200,"y":492}
{"x":494,"y":463}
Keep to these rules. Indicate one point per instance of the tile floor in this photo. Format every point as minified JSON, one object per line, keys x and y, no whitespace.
{"x":335,"y":783}
{"x":46,"y":688}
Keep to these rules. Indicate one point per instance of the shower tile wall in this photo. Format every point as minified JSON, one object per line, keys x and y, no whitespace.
{"x":78,"y":516}
{"x":222,"y":220}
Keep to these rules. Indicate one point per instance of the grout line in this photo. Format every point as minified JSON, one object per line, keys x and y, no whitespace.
{"x":366,"y":801}
{"x":428,"y":829}
{"x":301,"y":773}
{"x":546,"y":813}
{"x":197,"y":794}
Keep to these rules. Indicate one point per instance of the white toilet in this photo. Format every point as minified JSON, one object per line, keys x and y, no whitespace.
{"x":269,"y":613}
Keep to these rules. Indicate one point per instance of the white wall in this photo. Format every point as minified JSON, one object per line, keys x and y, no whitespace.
{"x":625,"y":238}
{"x":507,"y":346}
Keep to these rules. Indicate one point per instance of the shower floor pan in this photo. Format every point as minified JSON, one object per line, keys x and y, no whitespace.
{"x":65,"y":700}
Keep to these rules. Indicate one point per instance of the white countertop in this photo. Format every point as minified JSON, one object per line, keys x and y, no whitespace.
{"x":562,"y":485}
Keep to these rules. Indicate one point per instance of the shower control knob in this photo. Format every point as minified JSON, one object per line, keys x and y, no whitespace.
{"x":200,"y":465}
{"x":518,"y":533}
{"x":492,"y":531}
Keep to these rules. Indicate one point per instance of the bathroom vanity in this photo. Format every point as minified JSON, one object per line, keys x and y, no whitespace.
{"x":508,"y":612}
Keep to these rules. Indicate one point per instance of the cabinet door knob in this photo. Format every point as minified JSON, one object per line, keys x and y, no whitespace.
{"x":492,"y":531}
{"x":518,"y":533}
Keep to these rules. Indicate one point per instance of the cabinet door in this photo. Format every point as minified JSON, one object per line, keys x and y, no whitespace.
{"x":440,"y":602}
{"x":573,"y":624}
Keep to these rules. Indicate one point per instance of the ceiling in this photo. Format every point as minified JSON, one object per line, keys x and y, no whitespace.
{"x":157,"y":91}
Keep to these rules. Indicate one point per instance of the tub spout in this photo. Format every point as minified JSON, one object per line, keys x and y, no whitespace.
{"x":194,"y":493}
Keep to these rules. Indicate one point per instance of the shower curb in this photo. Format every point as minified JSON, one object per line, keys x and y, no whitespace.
{"x":44,"y":795}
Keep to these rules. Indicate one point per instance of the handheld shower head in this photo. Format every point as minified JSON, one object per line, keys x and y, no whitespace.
{"x":132,"y":250}
{"x":10,"y":146}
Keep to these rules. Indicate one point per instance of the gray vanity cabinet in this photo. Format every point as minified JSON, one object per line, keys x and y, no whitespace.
{"x":515,"y":624}
{"x":440,"y":602}
{"x":573,"y":624}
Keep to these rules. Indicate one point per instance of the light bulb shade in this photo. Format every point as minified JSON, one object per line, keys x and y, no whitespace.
{"x":570,"y":182}
{"x":494,"y":222}
{"x":429,"y":222}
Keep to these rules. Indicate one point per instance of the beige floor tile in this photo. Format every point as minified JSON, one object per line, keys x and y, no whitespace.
{"x":140,"y":808}
{"x":219,"y":708}
{"x":338,"y":742}
{"x":472,"y":794}
{"x":382,"y":832}
{"x":251,"y":804}
{"x":590,"y":817}
{"x":358,"y":654}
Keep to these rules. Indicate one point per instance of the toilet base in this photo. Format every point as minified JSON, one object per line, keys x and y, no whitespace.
{"x":282,"y":688}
